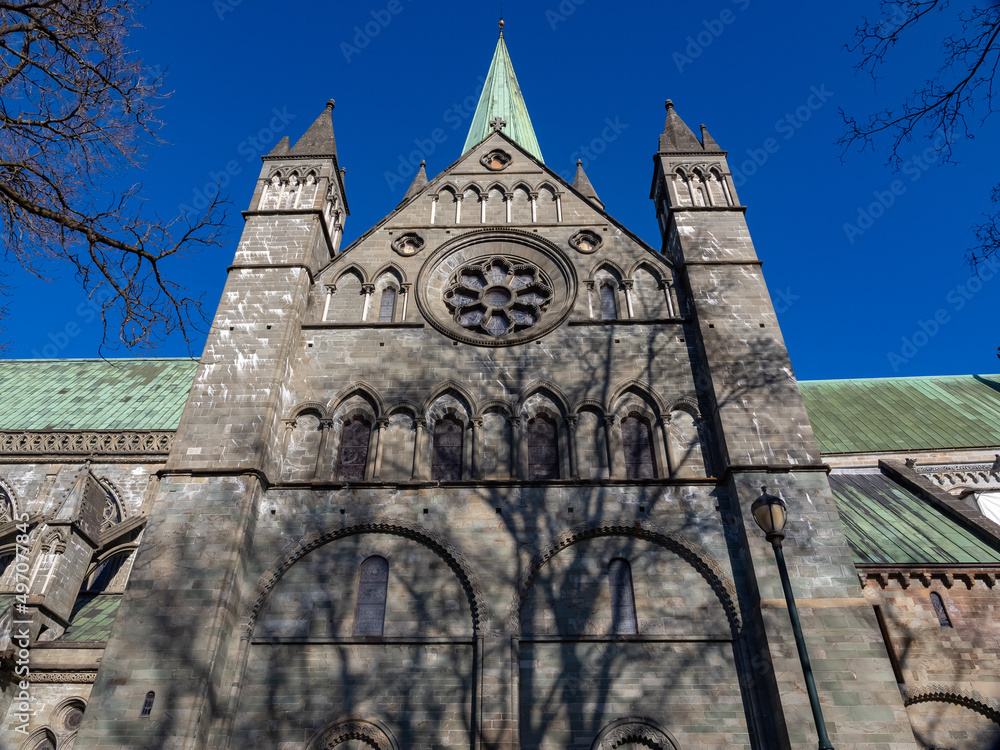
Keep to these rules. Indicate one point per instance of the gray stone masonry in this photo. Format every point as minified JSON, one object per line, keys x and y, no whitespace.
{"x":496,"y":625}
{"x":764,"y":438}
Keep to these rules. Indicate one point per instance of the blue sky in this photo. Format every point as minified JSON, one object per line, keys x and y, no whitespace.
{"x":865,"y":265}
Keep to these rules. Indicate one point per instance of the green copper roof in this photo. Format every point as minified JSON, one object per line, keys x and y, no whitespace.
{"x":888,"y":524}
{"x":92,"y":618}
{"x":502,"y":98}
{"x":94,"y":394}
{"x":900,"y":414}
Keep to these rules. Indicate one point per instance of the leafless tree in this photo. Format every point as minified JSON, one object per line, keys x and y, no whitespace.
{"x":77,"y":113}
{"x":946,"y":107}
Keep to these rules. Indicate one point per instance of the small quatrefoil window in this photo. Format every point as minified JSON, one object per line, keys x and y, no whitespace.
{"x":586,"y":241}
{"x":498,"y":296}
{"x":408,"y":244}
{"x":496,"y":160}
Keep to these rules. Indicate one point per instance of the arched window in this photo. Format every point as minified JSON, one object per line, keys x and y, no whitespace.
{"x":637,"y":440}
{"x":6,"y":558}
{"x":147,"y":705}
{"x":940,"y":610}
{"x":354,"y":450}
{"x":109,"y":574}
{"x":43,"y":740}
{"x":6,"y":507}
{"x":114,"y":512}
{"x":623,"y":620}
{"x":387,"y":306}
{"x":543,"y":449}
{"x":609,"y":306}
{"x":373,"y":582}
{"x":446,"y":464}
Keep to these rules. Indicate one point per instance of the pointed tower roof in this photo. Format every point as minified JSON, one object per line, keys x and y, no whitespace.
{"x":419,"y":182}
{"x":676,"y":135}
{"x":502,"y":98}
{"x":582,"y":185}
{"x":318,"y":140}
{"x":707,"y":141}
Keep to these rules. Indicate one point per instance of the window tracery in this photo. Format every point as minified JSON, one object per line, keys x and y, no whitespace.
{"x":498,"y":296}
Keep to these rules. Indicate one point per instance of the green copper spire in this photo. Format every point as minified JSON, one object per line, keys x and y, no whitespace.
{"x":502,"y":100}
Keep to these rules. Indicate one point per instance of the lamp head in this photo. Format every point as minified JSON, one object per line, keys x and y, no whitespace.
{"x":770,"y":513}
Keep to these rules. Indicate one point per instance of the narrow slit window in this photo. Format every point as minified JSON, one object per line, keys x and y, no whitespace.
{"x":609,"y":306}
{"x":623,"y":620}
{"x":147,"y":705}
{"x":387,"y":306}
{"x":354,"y":450}
{"x":940,"y":610}
{"x":543,"y":448}
{"x":447,"y":461}
{"x":637,"y":441}
{"x":373,"y":583}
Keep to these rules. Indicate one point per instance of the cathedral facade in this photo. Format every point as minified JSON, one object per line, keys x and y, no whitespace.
{"x":483,"y":479}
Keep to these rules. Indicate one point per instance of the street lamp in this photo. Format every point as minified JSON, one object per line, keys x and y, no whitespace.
{"x":771,"y":513}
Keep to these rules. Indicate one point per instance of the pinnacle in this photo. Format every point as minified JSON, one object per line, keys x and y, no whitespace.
{"x":581,"y":183}
{"x":318,"y":139}
{"x":419,"y":182}
{"x":677,"y":136}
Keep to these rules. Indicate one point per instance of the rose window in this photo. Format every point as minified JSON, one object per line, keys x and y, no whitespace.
{"x":498,"y":296}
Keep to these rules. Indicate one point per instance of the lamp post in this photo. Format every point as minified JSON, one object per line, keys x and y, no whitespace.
{"x":771,"y":513}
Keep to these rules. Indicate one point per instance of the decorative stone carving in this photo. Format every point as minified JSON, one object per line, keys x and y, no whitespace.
{"x":408,"y":244}
{"x":496,"y":287}
{"x":367,"y":733}
{"x":64,"y":677}
{"x":498,"y":296}
{"x":496,"y":160}
{"x":116,"y":443}
{"x":586,"y":241}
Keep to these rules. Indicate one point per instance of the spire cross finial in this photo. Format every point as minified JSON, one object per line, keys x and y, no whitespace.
{"x":498,"y":124}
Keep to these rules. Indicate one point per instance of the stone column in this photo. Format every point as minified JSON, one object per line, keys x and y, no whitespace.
{"x":574,"y":460}
{"x":616,"y":453}
{"x":420,"y":450}
{"x":627,"y":286}
{"x":383,"y":425}
{"x":518,"y":469}
{"x":477,"y":448}
{"x":322,"y":460}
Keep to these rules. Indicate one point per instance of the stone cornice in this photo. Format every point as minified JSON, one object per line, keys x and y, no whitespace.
{"x":97,"y":443}
{"x":884,"y":575}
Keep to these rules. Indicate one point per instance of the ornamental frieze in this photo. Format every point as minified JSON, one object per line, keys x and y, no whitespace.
{"x":108,"y":443}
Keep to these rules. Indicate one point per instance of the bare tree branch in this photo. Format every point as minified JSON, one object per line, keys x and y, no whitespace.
{"x":939,"y":109}
{"x":77,"y":111}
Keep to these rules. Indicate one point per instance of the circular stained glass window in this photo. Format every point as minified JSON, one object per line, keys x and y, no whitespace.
{"x":498,"y":296}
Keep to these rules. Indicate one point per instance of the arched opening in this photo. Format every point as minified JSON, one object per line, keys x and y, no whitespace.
{"x":623,"y":619}
{"x":387,"y":305}
{"x":609,"y":305}
{"x":446,"y":463}
{"x":637,"y":442}
{"x":543,"y":448}
{"x":373,"y":583}
{"x":353,"y":458}
{"x":940,"y":610}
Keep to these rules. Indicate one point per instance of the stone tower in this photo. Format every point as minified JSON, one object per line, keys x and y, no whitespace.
{"x":482,"y":479}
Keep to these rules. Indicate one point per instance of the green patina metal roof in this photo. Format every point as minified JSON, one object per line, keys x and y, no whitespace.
{"x":92,"y":618}
{"x":502,"y":98}
{"x":885,"y":523}
{"x":94,"y":394}
{"x":900,"y":414}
